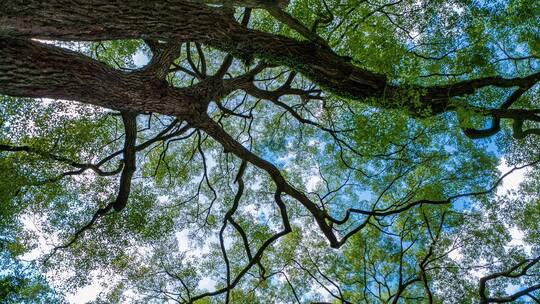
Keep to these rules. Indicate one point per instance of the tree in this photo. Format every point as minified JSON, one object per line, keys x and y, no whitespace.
{"x":315,"y":150}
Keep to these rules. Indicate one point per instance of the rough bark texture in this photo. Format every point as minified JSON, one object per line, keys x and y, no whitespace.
{"x":32,"y":69}
{"x":183,"y":20}
{"x":245,"y":3}
{"x":130,"y":139}
{"x":180,"y":20}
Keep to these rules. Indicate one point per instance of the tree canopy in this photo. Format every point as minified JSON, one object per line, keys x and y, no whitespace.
{"x":270,"y":151}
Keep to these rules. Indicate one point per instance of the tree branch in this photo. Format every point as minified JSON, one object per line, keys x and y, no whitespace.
{"x":163,"y":55}
{"x":509,"y":273}
{"x":130,"y":126}
{"x":189,"y":21}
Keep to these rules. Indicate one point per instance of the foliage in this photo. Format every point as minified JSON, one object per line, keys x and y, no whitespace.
{"x":412,"y":195}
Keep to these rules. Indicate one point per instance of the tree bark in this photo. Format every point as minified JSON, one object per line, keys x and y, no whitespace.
{"x":245,"y":3}
{"x":32,"y":69}
{"x":188,"y":21}
{"x":130,"y":158}
{"x":183,"y":21}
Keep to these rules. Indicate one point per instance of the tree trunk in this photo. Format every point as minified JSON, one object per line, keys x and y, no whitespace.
{"x":32,"y":69}
{"x":188,"y":21}
{"x":181,"y":20}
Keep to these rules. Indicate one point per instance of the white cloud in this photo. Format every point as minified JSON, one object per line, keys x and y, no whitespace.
{"x":140,"y":59}
{"x":516,"y":240}
{"x":85,"y":294}
{"x":455,"y":255}
{"x":512,"y":181}
{"x":45,"y":242}
{"x":207,"y":283}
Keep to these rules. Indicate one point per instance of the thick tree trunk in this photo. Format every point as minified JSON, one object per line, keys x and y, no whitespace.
{"x":181,"y":20}
{"x":245,"y":3}
{"x":32,"y":69}
{"x":188,"y":21}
